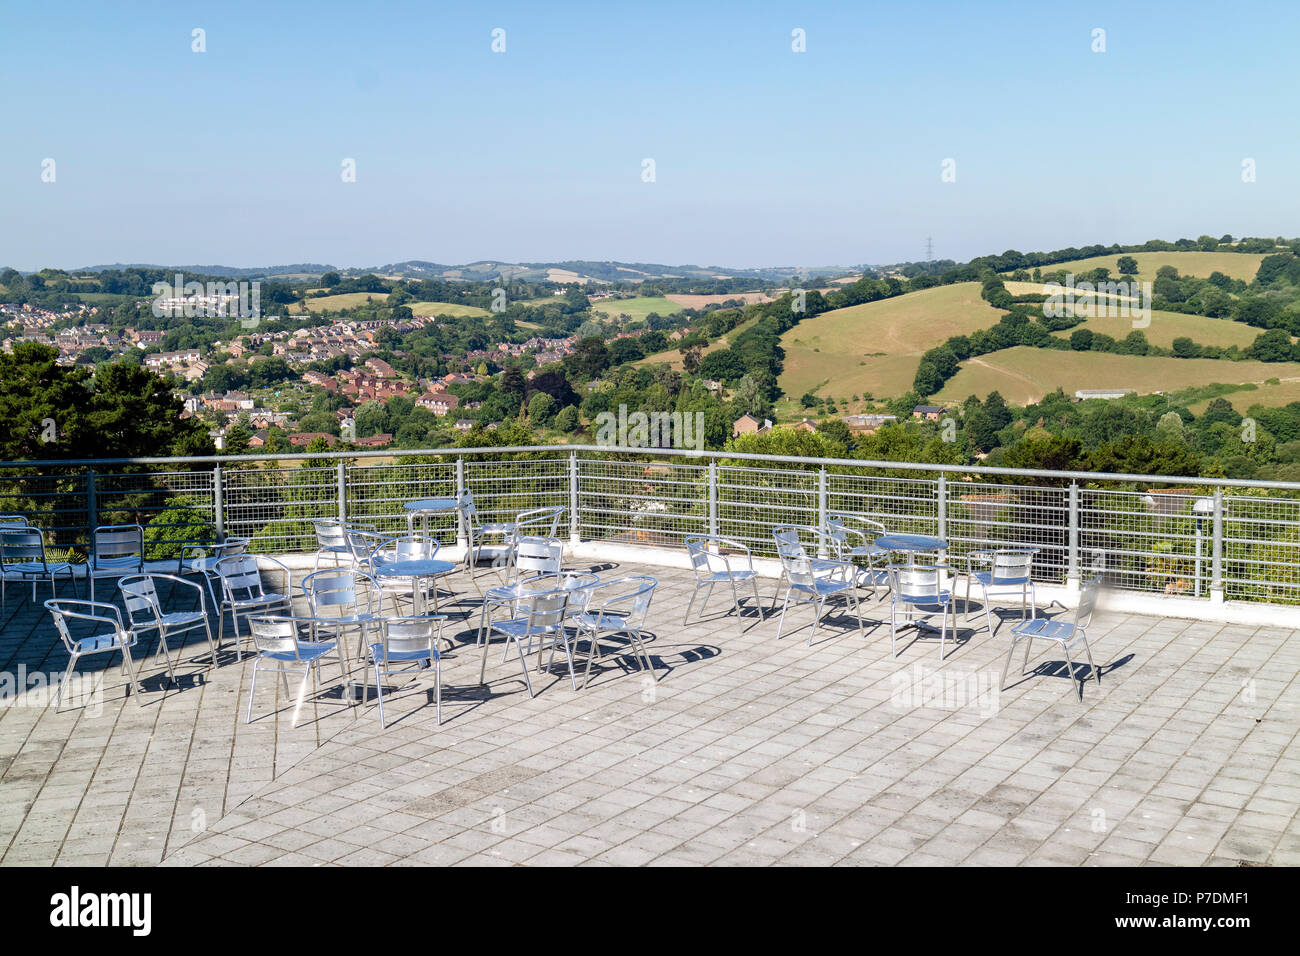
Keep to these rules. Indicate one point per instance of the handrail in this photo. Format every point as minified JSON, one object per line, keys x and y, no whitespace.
{"x":669,"y":452}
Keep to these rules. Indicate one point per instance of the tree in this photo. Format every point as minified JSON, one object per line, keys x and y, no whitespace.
{"x":1081,"y":340}
{"x":567,"y":420}
{"x":1127,"y":266}
{"x":330,"y":279}
{"x":541,"y":409}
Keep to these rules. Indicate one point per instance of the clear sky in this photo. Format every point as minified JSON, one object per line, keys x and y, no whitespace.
{"x":763,"y":156}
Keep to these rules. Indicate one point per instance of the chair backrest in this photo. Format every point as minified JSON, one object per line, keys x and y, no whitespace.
{"x":635,"y":592}
{"x":794,"y":559}
{"x":273,"y":634}
{"x":916,"y":582}
{"x":1012,"y":565}
{"x":22,"y":545}
{"x":547,"y":609}
{"x":539,"y":518}
{"x":240,"y":576}
{"x":331,"y":534}
{"x":406,"y":634}
{"x":1088,"y":596}
{"x":407,"y":547}
{"x":118,"y":546}
{"x":140,"y":595}
{"x":697,"y":549}
{"x":538,"y":556}
{"x":339,"y":591}
{"x":63,"y":610}
{"x":13,"y":522}
{"x":466,"y":504}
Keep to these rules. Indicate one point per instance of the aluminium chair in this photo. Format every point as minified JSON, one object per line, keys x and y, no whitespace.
{"x":144,"y":611}
{"x":280,"y":649}
{"x":1065,"y":634}
{"x":1010,"y":572}
{"x":813,"y":580}
{"x":116,"y":638}
{"x":712,"y":565}
{"x":115,"y":550}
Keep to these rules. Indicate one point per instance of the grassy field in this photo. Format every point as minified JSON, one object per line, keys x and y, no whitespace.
{"x":1167,"y":326}
{"x":344,"y":300}
{"x":673,"y":358}
{"x":444,"y":308}
{"x":1273,"y":396}
{"x":637,"y":308}
{"x":840,"y":347}
{"x":1026,"y":374}
{"x":1237,"y":265}
{"x":688,"y":301}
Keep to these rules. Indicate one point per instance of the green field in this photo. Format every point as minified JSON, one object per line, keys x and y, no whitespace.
{"x":1025,"y":374}
{"x":637,"y":308}
{"x":839,"y":349}
{"x":1167,"y":326}
{"x":344,"y":300}
{"x":1273,"y":396}
{"x":445,"y":308}
{"x":673,"y":358}
{"x":1237,"y":265}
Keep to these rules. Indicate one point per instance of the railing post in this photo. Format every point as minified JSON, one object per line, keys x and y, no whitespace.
{"x":713,"y":497}
{"x":92,"y":509}
{"x":941,"y":521}
{"x":821,"y":509}
{"x":462,"y":532}
{"x":1072,"y":561}
{"x":342,"y":472}
{"x":218,"y":502}
{"x":575,"y":528}
{"x":1216,"y":550}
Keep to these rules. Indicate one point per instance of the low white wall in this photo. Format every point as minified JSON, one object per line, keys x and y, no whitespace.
{"x":1127,"y":602}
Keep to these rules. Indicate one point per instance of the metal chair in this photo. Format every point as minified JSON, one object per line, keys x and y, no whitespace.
{"x":541,"y":614}
{"x":343,"y":600}
{"x":1065,"y":634}
{"x":534,"y":558}
{"x":920,"y":589}
{"x":22,"y":552}
{"x":244,"y":593}
{"x":1011,"y":570}
{"x":621,"y":612}
{"x":538,"y":522}
{"x":115,"y":550}
{"x":279,"y":648}
{"x":711,"y":566}
{"x":117,"y":639}
{"x":854,"y":537}
{"x":813,"y":580}
{"x":409,"y":641}
{"x":332,"y":539}
{"x":144,"y":611}
{"x":201,"y":560}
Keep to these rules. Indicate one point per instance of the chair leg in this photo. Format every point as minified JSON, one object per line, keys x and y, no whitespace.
{"x":524,"y":660}
{"x":379,"y":693}
{"x":758,"y":602}
{"x":781,"y":623}
{"x":302,"y":695}
{"x":1091,"y":666}
{"x":689,"y":604}
{"x":437,"y":688}
{"x":132,"y":672}
{"x":1069,"y":663}
{"x":252,"y":687}
{"x":67,"y":676}
{"x":167,"y":654}
{"x":1002,"y":683}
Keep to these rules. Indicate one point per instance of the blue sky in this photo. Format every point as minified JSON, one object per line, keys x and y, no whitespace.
{"x":762,"y":156}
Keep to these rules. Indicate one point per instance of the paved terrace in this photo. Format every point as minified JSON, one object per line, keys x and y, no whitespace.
{"x":748,"y":751}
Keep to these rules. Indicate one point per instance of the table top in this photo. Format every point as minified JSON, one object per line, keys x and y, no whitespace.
{"x":911,"y":542}
{"x":414,"y":568}
{"x":432,"y":504}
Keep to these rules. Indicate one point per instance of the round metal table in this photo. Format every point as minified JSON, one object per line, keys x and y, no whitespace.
{"x":417,"y":570}
{"x":423,"y":507}
{"x":910,"y":544}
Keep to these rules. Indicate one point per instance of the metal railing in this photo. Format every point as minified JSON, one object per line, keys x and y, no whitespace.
{"x":1216,"y":538}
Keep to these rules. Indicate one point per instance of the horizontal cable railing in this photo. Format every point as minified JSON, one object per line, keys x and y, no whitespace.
{"x":1224,"y":538}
